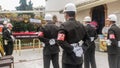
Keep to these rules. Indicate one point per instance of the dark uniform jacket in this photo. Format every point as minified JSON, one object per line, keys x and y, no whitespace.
{"x":91,"y":32}
{"x":74,"y":32}
{"x":3,"y":29}
{"x":50,"y":32}
{"x":7,"y":36}
{"x":114,"y":37}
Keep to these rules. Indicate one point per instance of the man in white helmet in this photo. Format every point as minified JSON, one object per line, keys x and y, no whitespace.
{"x":89,"y":45}
{"x":113,"y":42}
{"x":69,"y":35}
{"x":47,"y":34}
{"x":8,"y":39}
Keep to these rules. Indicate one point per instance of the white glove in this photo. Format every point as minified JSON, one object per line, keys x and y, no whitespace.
{"x":118,"y":43}
{"x":6,"y":42}
{"x":92,"y":38}
{"x":52,"y":42}
{"x":43,"y":44}
{"x":12,"y":38}
{"x":81,"y":43}
{"x":108,"y":42}
{"x":78,"y":51}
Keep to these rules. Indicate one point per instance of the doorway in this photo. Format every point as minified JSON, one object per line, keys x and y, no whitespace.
{"x":99,"y":14}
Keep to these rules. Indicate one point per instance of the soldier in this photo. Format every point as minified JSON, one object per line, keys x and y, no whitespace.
{"x":89,"y":54}
{"x":113,"y":42}
{"x":8,"y":39}
{"x":69,"y":35}
{"x":50,"y":50}
{"x":3,"y":29}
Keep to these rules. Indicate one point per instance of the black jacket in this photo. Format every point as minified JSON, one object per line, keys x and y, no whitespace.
{"x":7,"y":36}
{"x":50,"y":32}
{"x":74,"y":32}
{"x":114,"y":30}
{"x":91,"y":32}
{"x":3,"y":29}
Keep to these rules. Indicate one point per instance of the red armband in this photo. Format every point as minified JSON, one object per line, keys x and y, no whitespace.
{"x":41,"y":34}
{"x":112,"y":36}
{"x":61,"y":37}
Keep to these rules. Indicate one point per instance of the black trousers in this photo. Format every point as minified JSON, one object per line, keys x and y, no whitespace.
{"x":71,"y":66}
{"x":54,"y":58}
{"x":8,"y":48}
{"x":118,"y":65}
{"x":113,"y":60}
{"x":89,"y":57}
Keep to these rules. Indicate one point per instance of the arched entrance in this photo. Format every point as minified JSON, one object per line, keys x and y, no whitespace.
{"x":99,"y":14}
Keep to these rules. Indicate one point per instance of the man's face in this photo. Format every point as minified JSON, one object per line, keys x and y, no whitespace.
{"x":65,"y":16}
{"x":10,"y":28}
{"x":108,"y":23}
{"x":55,"y":19}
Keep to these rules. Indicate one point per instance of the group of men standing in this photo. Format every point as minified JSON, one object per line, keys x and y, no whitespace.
{"x":69,"y":36}
{"x":76,"y":39}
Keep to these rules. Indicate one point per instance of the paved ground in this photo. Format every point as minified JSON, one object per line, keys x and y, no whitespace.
{"x":33,"y":59}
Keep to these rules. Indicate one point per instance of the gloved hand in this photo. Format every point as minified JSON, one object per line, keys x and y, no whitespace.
{"x":6,"y":42}
{"x":52,"y":42}
{"x":108,"y":42}
{"x":78,"y":51}
{"x":13,"y":38}
{"x":43,"y":44}
{"x":92,"y":38}
{"x":118,"y":43}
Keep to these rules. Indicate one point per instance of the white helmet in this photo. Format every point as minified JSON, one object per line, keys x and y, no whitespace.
{"x":112,"y":17}
{"x":70,"y":7}
{"x":48,"y":17}
{"x":87,"y":19}
{"x":5,"y":22}
{"x":9,"y":25}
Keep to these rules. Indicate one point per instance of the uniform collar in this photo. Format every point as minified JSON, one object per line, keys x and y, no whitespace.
{"x":71,"y":18}
{"x":112,"y":25}
{"x":49,"y":22}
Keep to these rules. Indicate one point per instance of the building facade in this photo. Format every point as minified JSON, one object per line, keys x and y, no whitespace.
{"x":97,"y":9}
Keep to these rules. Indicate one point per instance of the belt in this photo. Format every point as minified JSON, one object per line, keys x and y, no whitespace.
{"x":77,"y":44}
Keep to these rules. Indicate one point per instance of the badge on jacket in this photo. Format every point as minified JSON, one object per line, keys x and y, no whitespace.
{"x":112,"y":36}
{"x":41,"y":34}
{"x":61,"y":37}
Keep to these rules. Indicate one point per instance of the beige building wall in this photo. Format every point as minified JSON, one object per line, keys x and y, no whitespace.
{"x":82,"y":14}
{"x":113,"y":7}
